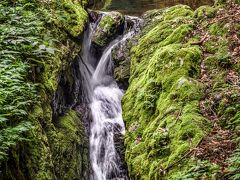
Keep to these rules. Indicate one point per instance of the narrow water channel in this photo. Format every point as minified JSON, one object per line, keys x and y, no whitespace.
{"x":104,"y":98}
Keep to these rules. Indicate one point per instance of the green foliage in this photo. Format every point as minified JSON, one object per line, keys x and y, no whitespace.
{"x":36,"y":39}
{"x":23,"y":50}
{"x":197,"y":170}
{"x":10,"y":135}
{"x":18,"y":46}
{"x":234,"y":167}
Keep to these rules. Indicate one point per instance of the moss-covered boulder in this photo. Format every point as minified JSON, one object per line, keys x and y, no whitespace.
{"x":176,"y":119}
{"x":164,"y":121}
{"x":71,"y":16}
{"x":110,"y":26}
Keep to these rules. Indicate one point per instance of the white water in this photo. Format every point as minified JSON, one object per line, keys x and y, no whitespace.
{"x":107,"y":118}
{"x":104,"y":97}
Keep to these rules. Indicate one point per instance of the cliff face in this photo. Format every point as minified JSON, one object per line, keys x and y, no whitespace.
{"x":182,"y":105}
{"x":42,"y":136}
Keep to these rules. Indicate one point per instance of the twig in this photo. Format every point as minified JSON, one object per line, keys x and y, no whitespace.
{"x":201,"y":41}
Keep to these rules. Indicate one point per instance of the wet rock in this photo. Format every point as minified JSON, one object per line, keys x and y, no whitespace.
{"x":110,"y":26}
{"x":121,"y":58}
{"x":120,"y":150}
{"x":93,"y":15}
{"x":121,"y":55}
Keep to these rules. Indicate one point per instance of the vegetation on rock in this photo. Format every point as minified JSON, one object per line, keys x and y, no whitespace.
{"x":184,"y":87}
{"x":181,"y":108}
{"x":39,"y":39}
{"x":110,"y":26}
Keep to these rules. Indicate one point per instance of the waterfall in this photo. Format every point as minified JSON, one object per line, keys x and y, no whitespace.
{"x":104,"y":98}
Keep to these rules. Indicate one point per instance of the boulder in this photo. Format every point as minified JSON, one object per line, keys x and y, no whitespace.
{"x":110,"y":26}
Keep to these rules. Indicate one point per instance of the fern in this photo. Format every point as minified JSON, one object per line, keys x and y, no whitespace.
{"x":22,"y":46}
{"x":201,"y":170}
{"x":234,"y":166}
{"x":11,"y":135}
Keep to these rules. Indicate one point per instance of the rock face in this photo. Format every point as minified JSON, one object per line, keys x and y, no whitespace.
{"x":54,"y":145}
{"x":163,"y":96}
{"x":121,"y":54}
{"x":176,"y":118}
{"x":110,"y":26}
{"x":121,"y":58}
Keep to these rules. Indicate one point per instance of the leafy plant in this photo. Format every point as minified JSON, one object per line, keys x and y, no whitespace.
{"x":22,"y":49}
{"x":201,"y":170}
{"x":234,"y":166}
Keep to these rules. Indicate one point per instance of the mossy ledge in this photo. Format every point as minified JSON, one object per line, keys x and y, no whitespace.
{"x":162,"y":107}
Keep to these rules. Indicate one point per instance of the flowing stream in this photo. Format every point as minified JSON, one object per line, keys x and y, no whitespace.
{"x":104,"y":99}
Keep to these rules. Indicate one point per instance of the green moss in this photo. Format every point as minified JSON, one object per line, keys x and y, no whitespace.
{"x":205,"y":11}
{"x":219,"y":29}
{"x":38,"y":159}
{"x":45,"y":38}
{"x":56,"y":150}
{"x":71,"y":16}
{"x":109,"y":27}
{"x":165,"y":120}
{"x":67,"y":142}
{"x":179,"y":10}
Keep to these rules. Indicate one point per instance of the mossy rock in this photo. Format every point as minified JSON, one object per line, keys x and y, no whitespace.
{"x":71,"y":16}
{"x":205,"y":12}
{"x":110,"y":26}
{"x":51,"y":31}
{"x":69,"y":145}
{"x":161,"y":105}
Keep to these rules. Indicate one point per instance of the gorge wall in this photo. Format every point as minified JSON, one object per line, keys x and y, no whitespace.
{"x":181,"y":105}
{"x":42,"y":134}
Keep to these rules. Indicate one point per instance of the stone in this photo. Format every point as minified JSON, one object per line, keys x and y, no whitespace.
{"x":110,"y":26}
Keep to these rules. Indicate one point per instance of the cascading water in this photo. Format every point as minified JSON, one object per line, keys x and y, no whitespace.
{"x":104,"y":98}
